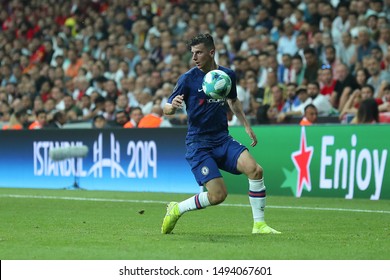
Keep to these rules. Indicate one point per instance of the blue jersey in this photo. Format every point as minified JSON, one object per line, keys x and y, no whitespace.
{"x":207,"y":117}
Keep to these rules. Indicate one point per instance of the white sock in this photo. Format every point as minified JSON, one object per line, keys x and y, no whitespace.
{"x":257,"y":199}
{"x":196,"y":202}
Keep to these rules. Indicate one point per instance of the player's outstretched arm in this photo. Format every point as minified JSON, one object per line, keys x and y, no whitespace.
{"x":236,"y":107}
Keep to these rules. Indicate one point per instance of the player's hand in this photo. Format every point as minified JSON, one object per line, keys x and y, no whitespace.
{"x":252,"y":135}
{"x":177,"y":102}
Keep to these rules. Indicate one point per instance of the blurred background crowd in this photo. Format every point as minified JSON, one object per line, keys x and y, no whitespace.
{"x":114,"y":63}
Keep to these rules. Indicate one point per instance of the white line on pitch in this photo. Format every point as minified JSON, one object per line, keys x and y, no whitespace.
{"x":165,"y":202}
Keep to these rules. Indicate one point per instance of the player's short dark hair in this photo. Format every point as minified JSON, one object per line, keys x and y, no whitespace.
{"x":205,"y":39}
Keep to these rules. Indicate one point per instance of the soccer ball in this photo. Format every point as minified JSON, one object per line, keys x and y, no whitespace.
{"x":216,"y":84}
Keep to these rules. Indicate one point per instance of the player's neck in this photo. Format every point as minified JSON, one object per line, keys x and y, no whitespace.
{"x":213,"y":66}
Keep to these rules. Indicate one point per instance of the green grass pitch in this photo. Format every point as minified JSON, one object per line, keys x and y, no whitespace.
{"x":97,"y":225}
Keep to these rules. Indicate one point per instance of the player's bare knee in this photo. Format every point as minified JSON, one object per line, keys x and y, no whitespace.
{"x":256,"y":172}
{"x":217,"y":197}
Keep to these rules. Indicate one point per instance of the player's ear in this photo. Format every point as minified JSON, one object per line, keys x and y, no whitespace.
{"x":212,"y":52}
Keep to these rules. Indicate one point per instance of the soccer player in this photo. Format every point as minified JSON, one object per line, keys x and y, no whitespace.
{"x":209,"y":145}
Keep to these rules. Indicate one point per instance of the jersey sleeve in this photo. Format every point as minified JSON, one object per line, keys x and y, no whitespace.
{"x":179,"y":89}
{"x":233,"y":91}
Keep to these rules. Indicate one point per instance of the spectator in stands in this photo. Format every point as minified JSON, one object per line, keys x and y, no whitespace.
{"x":367,"y":112}
{"x":296,"y":111}
{"x":362,"y":76}
{"x":372,"y":23}
{"x":312,"y":66}
{"x":285,"y":69}
{"x":354,"y":101}
{"x":379,"y":79}
{"x":384,"y":36}
{"x":50,"y":108}
{"x":345,"y":85}
{"x":40,"y":120}
{"x":122,"y":103}
{"x":97,"y":107}
{"x":292,"y":99}
{"x":18,"y":120}
{"x":109,"y":109}
{"x":261,"y":73}
{"x":72,"y":63}
{"x":328,"y":83}
{"x":99,"y":122}
{"x":384,"y":108}
{"x":86,"y":107}
{"x":310,"y":115}
{"x":277,"y":103}
{"x":302,"y":44}
{"x":340,"y":24}
{"x":81,"y":85}
{"x":111,"y":90}
{"x":365,"y":44}
{"x":145,"y":101}
{"x":321,"y":102}
{"x":297,"y":70}
{"x":155,"y":119}
{"x":377,"y":53}
{"x":57,"y":94}
{"x":347,"y":49}
{"x":5,"y":112}
{"x":135,"y":116}
{"x":287,"y":42}
{"x":72,"y":111}
{"x":332,"y":60}
{"x":58,"y":121}
{"x":121,"y":118}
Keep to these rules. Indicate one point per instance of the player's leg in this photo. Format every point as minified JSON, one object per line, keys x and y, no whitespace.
{"x":216,"y":194}
{"x":257,"y":192}
{"x":257,"y":195}
{"x":206,"y":173}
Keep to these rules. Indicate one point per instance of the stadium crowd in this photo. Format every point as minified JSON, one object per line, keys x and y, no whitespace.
{"x":113,"y":63}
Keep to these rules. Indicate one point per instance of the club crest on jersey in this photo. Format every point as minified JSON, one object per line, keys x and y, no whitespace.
{"x":205,"y":170}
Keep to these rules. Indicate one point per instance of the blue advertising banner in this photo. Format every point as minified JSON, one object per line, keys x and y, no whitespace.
{"x":147,"y":160}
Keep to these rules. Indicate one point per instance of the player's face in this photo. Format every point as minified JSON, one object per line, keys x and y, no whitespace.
{"x":202,"y":57}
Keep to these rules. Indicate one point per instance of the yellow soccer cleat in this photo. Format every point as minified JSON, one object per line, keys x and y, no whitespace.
{"x":170,"y":218}
{"x":263,"y":228}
